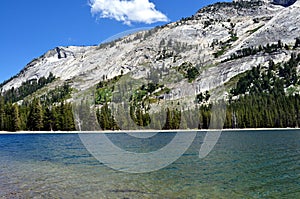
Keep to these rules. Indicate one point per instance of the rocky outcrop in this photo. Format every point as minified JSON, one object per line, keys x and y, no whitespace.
{"x":205,"y":40}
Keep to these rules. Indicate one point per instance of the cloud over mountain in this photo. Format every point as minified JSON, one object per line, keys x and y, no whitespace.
{"x":140,"y":11}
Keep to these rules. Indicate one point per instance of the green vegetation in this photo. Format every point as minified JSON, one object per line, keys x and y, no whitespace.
{"x":34,"y":116}
{"x":202,"y":97}
{"x":269,"y":48}
{"x":105,"y":89}
{"x":173,"y":119}
{"x":255,"y":29}
{"x":48,"y":112}
{"x":57,"y":95}
{"x":188,"y":71}
{"x":225,"y":45}
{"x":233,"y":35}
{"x":264,"y":111}
{"x":273,"y":80}
{"x":220,"y":52}
{"x":106,"y":119}
{"x":140,"y":103}
{"x":262,"y":98}
{"x":27,"y":88}
{"x":139,"y":106}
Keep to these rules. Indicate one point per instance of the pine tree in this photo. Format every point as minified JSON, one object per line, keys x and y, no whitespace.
{"x":106,"y":119}
{"x":69,"y":119}
{"x":49,"y":120}
{"x":176,"y":119}
{"x":183,"y":124}
{"x":16,"y":125}
{"x":35,"y":119}
{"x":2,"y":114}
{"x":168,"y":124}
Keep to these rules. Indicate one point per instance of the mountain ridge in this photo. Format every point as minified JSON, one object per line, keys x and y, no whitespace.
{"x":206,"y":39}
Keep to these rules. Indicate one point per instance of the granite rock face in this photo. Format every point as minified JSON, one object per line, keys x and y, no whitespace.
{"x":205,"y":40}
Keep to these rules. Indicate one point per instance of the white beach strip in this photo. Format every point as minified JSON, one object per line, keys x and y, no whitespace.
{"x":146,"y":131}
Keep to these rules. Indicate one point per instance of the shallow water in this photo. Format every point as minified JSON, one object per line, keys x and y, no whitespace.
{"x":243,"y":164}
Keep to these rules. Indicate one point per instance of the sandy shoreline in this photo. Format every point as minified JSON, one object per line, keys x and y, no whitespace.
{"x":146,"y":131}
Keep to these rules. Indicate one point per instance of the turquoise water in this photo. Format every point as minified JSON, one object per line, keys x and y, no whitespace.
{"x":243,"y":164}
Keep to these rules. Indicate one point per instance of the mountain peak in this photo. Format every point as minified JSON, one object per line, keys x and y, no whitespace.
{"x":208,"y":41}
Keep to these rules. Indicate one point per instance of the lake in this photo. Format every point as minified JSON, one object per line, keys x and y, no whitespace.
{"x":243,"y":164}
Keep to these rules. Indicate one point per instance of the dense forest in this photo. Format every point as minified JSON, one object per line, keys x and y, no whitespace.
{"x":35,"y":116}
{"x":266,"y":97}
{"x":47,"y":112}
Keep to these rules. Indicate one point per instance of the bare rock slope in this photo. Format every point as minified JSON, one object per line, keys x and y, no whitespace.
{"x":206,"y":40}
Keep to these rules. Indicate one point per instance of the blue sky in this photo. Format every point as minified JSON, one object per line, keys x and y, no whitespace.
{"x":29,"y":28}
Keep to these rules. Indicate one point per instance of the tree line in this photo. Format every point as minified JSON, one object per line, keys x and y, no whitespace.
{"x":269,"y":48}
{"x":266,"y":97}
{"x":27,"y":88}
{"x":35,"y":116}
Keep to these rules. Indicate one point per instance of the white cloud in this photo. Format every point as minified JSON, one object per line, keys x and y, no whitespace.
{"x":128,"y":11}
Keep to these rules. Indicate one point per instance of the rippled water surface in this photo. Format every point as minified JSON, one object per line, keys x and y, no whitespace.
{"x":243,"y":164}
